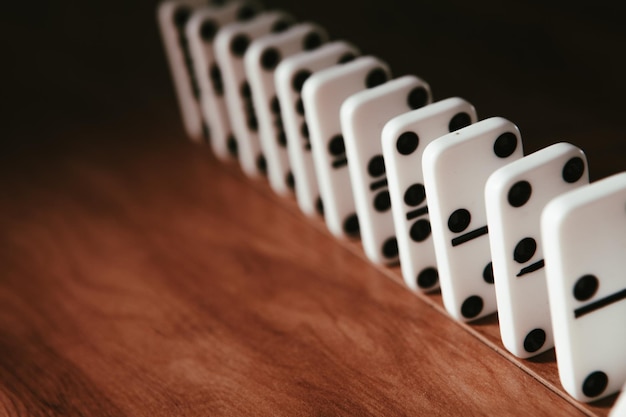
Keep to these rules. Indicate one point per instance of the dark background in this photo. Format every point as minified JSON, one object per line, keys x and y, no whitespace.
{"x":556,"y":70}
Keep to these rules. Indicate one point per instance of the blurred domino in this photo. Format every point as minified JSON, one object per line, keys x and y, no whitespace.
{"x":200,"y":31}
{"x":404,"y":139}
{"x":290,"y":77}
{"x":261,"y":60}
{"x":456,"y":167}
{"x":584,"y":250}
{"x":231,"y":43}
{"x":172,"y":16}
{"x":362,"y":119}
{"x":323,"y":94}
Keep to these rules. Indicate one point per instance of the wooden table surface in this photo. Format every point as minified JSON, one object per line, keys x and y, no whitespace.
{"x":140,"y":276}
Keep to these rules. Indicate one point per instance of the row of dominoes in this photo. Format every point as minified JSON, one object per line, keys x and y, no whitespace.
{"x":452,"y":198}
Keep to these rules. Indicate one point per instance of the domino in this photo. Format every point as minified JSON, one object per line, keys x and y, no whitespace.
{"x":261,"y":60}
{"x":404,"y":139}
{"x":200,"y":31}
{"x":456,"y":168}
{"x":584,"y":247}
{"x":231,"y":44}
{"x":290,"y":77}
{"x":363,"y":116}
{"x":323,"y":94}
{"x":172,"y":16}
{"x":515,"y":196}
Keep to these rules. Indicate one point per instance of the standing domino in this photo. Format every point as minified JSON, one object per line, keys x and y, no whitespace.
{"x":261,"y":60}
{"x":362,"y":119}
{"x":290,"y":77}
{"x":201,"y":30}
{"x":456,"y":167}
{"x":231,"y":44}
{"x":323,"y":94}
{"x":515,"y":197}
{"x":173,"y":15}
{"x":584,"y":248}
{"x":404,"y":139}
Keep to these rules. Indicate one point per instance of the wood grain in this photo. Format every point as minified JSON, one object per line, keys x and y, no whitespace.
{"x":142,"y":277}
{"x":153,"y":281}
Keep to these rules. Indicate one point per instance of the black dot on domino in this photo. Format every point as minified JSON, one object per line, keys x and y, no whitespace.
{"x":407,"y":143}
{"x":300,"y":107}
{"x":524,"y":250}
{"x":415,"y":195}
{"x":245,"y":90}
{"x":418,"y":97}
{"x":345,"y":58}
{"x":573,"y":170}
{"x":382,"y":201}
{"x":270,"y":58}
{"x":239,"y":45}
{"x":586,"y":287}
{"x":319,"y":206}
{"x":231,"y":143}
{"x":420,"y":230}
{"x":505,"y":145}
{"x":253,"y":123}
{"x":216,"y":78}
{"x":261,"y":164}
{"x":519,"y":193}
{"x":280,"y":26}
{"x":428,"y":278}
{"x":275,"y":105}
{"x":375,"y":78}
{"x":472,"y":307}
{"x":208,"y":30}
{"x":390,"y":248}
{"x":376,"y":166}
{"x":312,"y":41}
{"x":488,"y":273}
{"x":459,"y":121}
{"x":304,"y":130}
{"x":299,"y":79}
{"x":336,"y":145}
{"x":291,"y":181}
{"x":351,"y":225}
{"x":595,"y":384}
{"x":534,"y":340}
{"x":282,"y":139}
{"x":459,"y":220}
{"x":181,"y":15}
{"x":246,"y":12}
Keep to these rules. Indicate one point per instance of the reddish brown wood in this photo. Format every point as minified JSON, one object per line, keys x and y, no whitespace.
{"x":151,"y":280}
